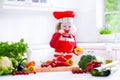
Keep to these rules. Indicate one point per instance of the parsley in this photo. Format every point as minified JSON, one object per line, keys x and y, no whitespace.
{"x":14,"y":50}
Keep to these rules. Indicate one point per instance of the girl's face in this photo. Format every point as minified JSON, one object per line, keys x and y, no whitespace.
{"x":66,"y":26}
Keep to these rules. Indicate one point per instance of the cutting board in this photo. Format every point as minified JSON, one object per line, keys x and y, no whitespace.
{"x":56,"y":69}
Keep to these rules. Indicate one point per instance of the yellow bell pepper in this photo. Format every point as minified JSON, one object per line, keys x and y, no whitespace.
{"x":78,"y":50}
{"x":69,"y":62}
{"x":31,"y":69}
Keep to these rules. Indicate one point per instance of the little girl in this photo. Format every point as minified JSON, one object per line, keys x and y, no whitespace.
{"x":63,"y":40}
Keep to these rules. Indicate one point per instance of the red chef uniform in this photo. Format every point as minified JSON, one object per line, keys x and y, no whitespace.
{"x":59,"y":42}
{"x":62,"y":43}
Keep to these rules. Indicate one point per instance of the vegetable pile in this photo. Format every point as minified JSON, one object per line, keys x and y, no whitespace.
{"x":28,"y":68}
{"x":12,"y":56}
{"x":86,"y":64}
{"x":59,"y":60}
{"x":92,"y":64}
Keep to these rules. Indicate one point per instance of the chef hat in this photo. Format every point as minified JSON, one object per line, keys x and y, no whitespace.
{"x":64,"y":16}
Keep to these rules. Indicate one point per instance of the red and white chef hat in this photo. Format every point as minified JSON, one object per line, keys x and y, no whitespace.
{"x":64,"y":16}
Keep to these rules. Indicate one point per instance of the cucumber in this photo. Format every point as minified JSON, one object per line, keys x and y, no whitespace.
{"x":104,"y":73}
{"x":94,"y":72}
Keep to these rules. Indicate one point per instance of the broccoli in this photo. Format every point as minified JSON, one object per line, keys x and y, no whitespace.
{"x":84,"y":61}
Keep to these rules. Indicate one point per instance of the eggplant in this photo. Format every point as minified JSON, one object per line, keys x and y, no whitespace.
{"x":20,"y":67}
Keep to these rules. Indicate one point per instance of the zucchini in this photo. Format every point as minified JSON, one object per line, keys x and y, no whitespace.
{"x":94,"y":72}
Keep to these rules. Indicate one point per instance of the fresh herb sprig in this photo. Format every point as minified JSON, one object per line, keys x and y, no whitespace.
{"x":14,"y":50}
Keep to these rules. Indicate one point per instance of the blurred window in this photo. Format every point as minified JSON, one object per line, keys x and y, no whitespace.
{"x":112,"y":14}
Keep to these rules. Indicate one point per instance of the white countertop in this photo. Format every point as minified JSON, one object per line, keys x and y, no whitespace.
{"x":102,"y":46}
{"x":67,"y":75}
{"x":84,"y":45}
{"x":43,"y":52}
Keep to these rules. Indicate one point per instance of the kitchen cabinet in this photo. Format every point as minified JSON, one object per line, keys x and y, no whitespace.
{"x":102,"y":53}
{"x":25,"y":1}
{"x":118,"y":55}
{"x":31,"y":5}
{"x":45,"y":52}
{"x":105,"y":51}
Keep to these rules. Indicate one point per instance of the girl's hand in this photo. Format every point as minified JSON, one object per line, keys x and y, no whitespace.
{"x":61,"y":31}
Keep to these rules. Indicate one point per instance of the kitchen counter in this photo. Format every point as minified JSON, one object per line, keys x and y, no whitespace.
{"x":45,"y":52}
{"x":102,"y":46}
{"x":84,"y":45}
{"x":67,"y":75}
{"x":37,"y":55}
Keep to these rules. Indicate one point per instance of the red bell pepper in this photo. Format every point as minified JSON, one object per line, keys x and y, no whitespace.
{"x":57,"y":55}
{"x":65,"y":56}
{"x":61,"y":58}
{"x":57,"y":63}
{"x":60,"y":63}
{"x":68,"y":57}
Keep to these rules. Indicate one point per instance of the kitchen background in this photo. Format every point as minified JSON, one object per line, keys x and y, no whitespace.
{"x":37,"y":26}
